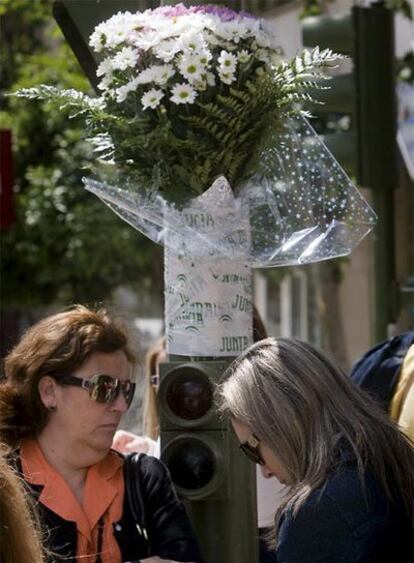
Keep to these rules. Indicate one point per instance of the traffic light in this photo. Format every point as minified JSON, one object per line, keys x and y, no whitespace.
{"x":198,"y":461}
{"x":211,"y":475}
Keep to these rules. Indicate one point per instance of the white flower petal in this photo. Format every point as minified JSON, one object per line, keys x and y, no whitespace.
{"x":151,"y":99}
{"x":183,"y":94}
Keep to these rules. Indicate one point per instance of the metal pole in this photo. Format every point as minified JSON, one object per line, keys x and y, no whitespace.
{"x":376,"y":115}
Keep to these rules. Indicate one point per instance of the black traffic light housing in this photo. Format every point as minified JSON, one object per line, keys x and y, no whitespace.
{"x":194,"y":440}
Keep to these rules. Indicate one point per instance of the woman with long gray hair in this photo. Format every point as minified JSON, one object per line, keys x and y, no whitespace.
{"x":348,"y":470}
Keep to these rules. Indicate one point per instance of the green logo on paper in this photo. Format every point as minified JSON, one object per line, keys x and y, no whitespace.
{"x":242,"y":303}
{"x":234,"y":344}
{"x":198,"y":220}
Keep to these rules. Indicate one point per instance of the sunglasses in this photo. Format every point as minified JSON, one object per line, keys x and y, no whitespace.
{"x":250,"y":448}
{"x":102,"y":388}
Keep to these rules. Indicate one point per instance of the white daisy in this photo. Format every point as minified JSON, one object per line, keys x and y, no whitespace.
{"x":243,"y":27}
{"x":105,"y":67}
{"x":123,"y":91}
{"x":211,"y":79}
{"x":236,"y":30}
{"x":200,"y":85}
{"x":162,"y":73}
{"x":262,"y":39}
{"x":189,"y":24}
{"x":262,"y":55}
{"x":118,"y":29}
{"x":148,"y":40}
{"x":227,"y":77}
{"x":151,"y":99}
{"x":204,"y":57}
{"x":244,"y":56}
{"x":147,"y":75}
{"x":97,"y":40}
{"x":105,"y":83}
{"x":212,"y":39}
{"x":126,"y":58}
{"x":166,"y":50}
{"x":115,"y":37}
{"x":183,"y":94}
{"x":191,"y":68}
{"x":223,"y":33}
{"x":227,"y":62}
{"x":192,"y":42}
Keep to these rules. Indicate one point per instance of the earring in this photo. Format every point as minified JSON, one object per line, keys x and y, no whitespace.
{"x":52,"y":408}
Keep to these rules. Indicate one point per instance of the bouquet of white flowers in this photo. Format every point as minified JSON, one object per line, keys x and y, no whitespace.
{"x":204,"y":146}
{"x":189,"y":94}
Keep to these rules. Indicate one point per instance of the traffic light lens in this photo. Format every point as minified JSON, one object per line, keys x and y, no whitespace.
{"x":191,"y":464}
{"x":189,"y":395}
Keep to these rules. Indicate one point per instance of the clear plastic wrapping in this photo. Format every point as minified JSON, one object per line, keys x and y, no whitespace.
{"x":301,"y":206}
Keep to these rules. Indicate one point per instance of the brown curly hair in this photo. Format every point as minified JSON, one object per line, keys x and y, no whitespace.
{"x":20,"y":535}
{"x":56,"y":346}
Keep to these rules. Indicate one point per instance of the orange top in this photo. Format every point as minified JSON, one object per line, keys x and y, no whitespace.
{"x":103,"y":497}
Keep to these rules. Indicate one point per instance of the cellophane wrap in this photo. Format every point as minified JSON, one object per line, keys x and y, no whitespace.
{"x":297,"y":207}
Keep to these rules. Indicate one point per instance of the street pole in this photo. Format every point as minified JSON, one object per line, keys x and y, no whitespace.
{"x":376,"y":108}
{"x":368,"y":150}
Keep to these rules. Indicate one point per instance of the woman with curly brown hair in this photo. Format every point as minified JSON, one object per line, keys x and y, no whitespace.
{"x":67,"y":384}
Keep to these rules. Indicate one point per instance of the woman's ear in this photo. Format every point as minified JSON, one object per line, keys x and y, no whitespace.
{"x":47,"y":392}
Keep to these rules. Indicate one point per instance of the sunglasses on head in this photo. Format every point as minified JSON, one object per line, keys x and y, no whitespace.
{"x":250,"y":448}
{"x":102,"y":388}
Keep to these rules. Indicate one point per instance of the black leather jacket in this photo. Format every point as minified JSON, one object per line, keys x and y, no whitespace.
{"x":168,"y":528}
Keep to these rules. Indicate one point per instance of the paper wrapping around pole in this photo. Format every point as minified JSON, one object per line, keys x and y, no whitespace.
{"x":208,"y":299}
{"x":208,"y":306}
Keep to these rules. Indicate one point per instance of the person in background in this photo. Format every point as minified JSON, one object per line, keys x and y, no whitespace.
{"x":155,"y":356}
{"x":348,"y":467}
{"x":402,"y":405}
{"x":126,"y":442}
{"x":387,"y":373}
{"x":269,"y":495}
{"x":20,"y":540}
{"x":67,"y":383}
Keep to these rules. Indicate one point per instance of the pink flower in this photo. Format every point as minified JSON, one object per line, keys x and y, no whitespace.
{"x":225,"y":14}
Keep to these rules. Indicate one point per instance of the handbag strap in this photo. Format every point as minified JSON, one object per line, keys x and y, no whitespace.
{"x":134,"y":493}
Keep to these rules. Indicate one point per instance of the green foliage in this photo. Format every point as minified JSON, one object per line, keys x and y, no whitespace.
{"x":180,"y":152}
{"x":402,"y":6}
{"x":314,"y":7}
{"x":65,"y":246}
{"x":405,"y":68}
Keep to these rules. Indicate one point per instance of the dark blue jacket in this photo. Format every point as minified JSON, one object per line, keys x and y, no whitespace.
{"x":379,"y":369}
{"x":338,"y":524}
